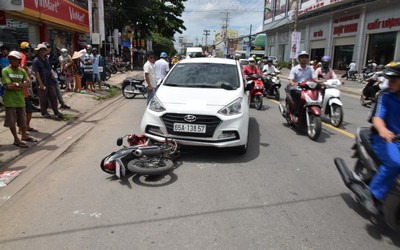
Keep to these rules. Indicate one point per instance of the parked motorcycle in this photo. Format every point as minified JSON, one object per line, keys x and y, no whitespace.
{"x":143,"y":156}
{"x":132,"y":87}
{"x":309,"y":109}
{"x":364,"y":170}
{"x":256,"y":93}
{"x":272,"y":84}
{"x":331,"y":104}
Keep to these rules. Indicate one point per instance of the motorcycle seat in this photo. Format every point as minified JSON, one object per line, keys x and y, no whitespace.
{"x":365,"y":135}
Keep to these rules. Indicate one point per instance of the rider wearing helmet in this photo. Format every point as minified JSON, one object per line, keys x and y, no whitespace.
{"x":299,"y":73}
{"x":251,"y":68}
{"x":161,"y":66}
{"x":269,"y":67}
{"x":325,"y":72}
{"x":386,"y":125}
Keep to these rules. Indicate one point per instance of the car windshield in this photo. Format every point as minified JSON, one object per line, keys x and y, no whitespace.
{"x":204,"y":75}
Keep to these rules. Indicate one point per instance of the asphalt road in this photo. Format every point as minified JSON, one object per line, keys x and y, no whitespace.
{"x":285,"y":193}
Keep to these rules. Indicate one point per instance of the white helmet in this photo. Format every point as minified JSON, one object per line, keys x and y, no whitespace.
{"x":251,"y":59}
{"x":303,"y":53}
{"x":15,"y":54}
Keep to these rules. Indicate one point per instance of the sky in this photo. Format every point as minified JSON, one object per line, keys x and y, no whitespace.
{"x":200,"y":15}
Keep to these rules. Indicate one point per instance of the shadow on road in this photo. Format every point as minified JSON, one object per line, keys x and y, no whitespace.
{"x":225,"y":155}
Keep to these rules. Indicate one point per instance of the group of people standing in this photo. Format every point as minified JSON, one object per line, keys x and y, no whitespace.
{"x":79,"y":69}
{"x":154,"y":70}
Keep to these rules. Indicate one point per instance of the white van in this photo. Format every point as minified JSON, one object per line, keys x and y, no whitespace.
{"x":194,"y":52}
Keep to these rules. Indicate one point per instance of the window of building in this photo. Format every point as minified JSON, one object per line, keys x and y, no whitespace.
{"x":381,"y":47}
{"x":343,"y":56}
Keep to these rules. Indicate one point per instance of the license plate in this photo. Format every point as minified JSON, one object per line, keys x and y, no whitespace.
{"x":190,"y":128}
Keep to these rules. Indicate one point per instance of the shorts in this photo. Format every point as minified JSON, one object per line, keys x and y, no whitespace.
{"x":28,"y":106}
{"x":15,"y":115}
{"x":88,"y":77}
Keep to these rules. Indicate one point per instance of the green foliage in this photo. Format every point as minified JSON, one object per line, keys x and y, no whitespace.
{"x":162,"y":44}
{"x":147,"y":16}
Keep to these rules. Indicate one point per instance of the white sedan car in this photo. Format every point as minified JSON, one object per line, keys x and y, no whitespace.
{"x":201,"y":102}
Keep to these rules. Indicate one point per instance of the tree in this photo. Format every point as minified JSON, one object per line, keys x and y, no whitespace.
{"x":162,"y":44}
{"x":148,"y":16}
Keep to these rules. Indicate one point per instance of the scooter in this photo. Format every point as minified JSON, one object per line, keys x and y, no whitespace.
{"x":143,"y":156}
{"x":358,"y":180}
{"x":272,"y":84}
{"x":132,"y":87}
{"x":256,"y":93}
{"x":309,"y":109}
{"x":350,"y":75}
{"x":365,"y":74}
{"x":331,"y":104}
{"x":369,"y":93}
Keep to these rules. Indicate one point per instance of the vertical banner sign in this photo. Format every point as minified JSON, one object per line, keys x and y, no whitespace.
{"x":295,"y":45}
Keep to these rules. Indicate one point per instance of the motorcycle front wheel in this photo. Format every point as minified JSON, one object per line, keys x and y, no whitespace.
{"x":163,"y":167}
{"x":363,"y":101}
{"x":127,"y":91}
{"x":258,"y":102}
{"x":277,"y":95}
{"x":336,"y":115}
{"x":314,"y":129}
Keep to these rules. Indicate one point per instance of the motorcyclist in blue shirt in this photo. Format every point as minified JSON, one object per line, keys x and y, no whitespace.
{"x":386,"y":125}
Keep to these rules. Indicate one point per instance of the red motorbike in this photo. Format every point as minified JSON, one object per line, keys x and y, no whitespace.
{"x":257,"y":91}
{"x":308,"y":117}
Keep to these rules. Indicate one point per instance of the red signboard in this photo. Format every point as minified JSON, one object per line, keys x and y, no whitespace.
{"x":59,"y":11}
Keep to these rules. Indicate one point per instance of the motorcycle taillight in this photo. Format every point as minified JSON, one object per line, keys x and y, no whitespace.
{"x":109,"y":166}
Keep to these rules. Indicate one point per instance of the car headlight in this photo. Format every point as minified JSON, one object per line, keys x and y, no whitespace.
{"x":156,"y":105}
{"x":233,"y":108}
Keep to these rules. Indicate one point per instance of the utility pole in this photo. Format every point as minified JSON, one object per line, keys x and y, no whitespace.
{"x":296,"y":14}
{"x":206,"y":33}
{"x":225,"y":27}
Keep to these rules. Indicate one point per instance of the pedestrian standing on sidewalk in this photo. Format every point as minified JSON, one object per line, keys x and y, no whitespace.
{"x":4,"y":62}
{"x":96,"y":73}
{"x":15,"y":80}
{"x":76,"y":71}
{"x":88,"y":69}
{"x":150,"y":76}
{"x":65,"y":63}
{"x":46,"y":82}
{"x":24,"y":50}
{"x":161,"y":66}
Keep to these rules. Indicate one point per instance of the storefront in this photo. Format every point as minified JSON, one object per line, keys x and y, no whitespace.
{"x":61,"y":23}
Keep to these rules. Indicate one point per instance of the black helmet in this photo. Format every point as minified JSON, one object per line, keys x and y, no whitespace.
{"x":270,"y":59}
{"x":392,"y":69}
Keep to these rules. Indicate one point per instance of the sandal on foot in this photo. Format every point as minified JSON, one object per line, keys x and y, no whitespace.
{"x":30,"y":139}
{"x":32,"y":130}
{"x":20,"y":144}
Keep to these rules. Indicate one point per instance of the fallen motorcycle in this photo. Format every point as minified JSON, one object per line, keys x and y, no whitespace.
{"x":132,"y":87}
{"x":143,"y":156}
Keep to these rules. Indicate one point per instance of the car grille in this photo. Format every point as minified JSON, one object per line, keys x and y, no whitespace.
{"x":210,"y":121}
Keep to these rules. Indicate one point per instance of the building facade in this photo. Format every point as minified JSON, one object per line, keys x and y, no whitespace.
{"x":61,"y":23}
{"x":346,"y":30}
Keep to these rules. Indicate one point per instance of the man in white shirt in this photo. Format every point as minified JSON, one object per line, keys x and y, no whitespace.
{"x":161,"y":66}
{"x":150,"y":76}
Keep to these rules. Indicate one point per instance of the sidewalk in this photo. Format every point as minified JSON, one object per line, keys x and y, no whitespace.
{"x":80,"y":104}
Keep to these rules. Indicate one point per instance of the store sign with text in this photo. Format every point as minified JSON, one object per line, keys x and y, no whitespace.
{"x":388,"y":23}
{"x":59,"y":11}
{"x":347,"y":25}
